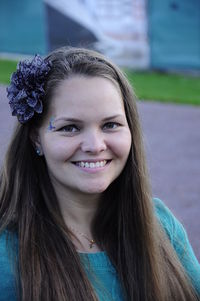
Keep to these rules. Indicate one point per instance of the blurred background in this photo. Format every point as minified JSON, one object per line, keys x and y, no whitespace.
{"x":134,"y":33}
{"x":157,"y":44}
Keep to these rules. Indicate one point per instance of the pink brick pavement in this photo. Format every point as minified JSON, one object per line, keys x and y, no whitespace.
{"x":172,"y":140}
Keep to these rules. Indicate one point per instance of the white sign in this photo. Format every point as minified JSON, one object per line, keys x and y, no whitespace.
{"x":119,"y":25}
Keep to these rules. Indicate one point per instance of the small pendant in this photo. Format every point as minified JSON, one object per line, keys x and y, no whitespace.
{"x":92,"y":242}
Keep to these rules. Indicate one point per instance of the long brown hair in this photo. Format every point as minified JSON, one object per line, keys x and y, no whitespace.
{"x":124,"y":226}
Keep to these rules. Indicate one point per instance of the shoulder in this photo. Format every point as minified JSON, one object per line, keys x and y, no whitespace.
{"x":7,"y":274}
{"x":172,"y":226}
{"x":167,"y":219}
{"x":8,"y":249}
{"x":179,"y":240}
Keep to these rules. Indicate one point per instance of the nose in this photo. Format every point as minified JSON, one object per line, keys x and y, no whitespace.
{"x":93,"y":142}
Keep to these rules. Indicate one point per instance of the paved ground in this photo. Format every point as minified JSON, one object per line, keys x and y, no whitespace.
{"x":172,"y":139}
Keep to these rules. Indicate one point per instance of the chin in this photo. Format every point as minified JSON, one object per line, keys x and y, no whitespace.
{"x":95,"y":189}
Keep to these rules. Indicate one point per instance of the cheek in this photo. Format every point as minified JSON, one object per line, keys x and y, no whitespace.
{"x":58,"y":150}
{"x":121,"y":146}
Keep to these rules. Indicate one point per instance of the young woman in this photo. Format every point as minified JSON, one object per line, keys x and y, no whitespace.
{"x":77,"y":219}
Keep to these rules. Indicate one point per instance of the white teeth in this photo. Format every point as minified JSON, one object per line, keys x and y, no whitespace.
{"x":92,"y":164}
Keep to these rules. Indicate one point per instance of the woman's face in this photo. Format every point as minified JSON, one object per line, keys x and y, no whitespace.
{"x":85,"y":137}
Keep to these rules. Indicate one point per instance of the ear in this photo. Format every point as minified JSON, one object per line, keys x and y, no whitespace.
{"x":36,"y":141}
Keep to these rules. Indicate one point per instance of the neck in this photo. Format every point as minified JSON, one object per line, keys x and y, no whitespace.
{"x":78,"y":216}
{"x":78,"y":210}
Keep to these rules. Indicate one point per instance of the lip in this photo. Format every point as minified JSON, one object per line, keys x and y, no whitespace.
{"x":91,"y":160}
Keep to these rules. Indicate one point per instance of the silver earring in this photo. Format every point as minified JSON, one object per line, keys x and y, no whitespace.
{"x":38,"y":152}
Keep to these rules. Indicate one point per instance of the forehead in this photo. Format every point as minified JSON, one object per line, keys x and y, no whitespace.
{"x":84,"y":95}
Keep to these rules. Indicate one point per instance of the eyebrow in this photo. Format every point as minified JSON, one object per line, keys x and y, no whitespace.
{"x":81,"y":121}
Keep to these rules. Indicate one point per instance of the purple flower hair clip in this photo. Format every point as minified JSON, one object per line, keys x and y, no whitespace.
{"x":26,"y":89}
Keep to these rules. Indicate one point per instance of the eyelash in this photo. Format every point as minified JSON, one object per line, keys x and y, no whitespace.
{"x":70,"y":126}
{"x":112,"y":123}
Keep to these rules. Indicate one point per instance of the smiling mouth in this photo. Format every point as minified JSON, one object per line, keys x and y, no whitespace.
{"x":89,"y":164}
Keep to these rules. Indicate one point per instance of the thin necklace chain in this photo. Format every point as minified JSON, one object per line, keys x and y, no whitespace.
{"x":91,"y":241}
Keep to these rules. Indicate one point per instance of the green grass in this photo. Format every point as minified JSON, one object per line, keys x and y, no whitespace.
{"x":6,"y":68}
{"x":162,"y":87}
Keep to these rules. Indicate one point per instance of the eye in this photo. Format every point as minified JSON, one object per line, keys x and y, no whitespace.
{"x":111,"y":125}
{"x":71,"y":128}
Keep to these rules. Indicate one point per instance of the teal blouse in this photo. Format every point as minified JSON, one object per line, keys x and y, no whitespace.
{"x":99,"y":269}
